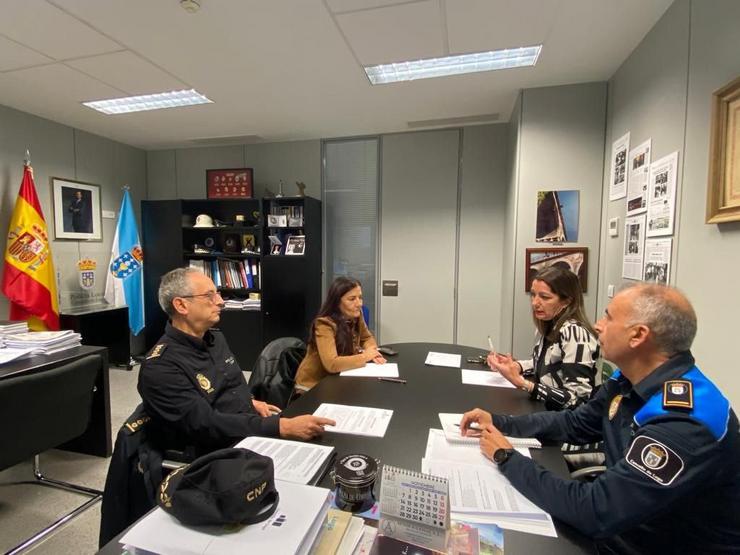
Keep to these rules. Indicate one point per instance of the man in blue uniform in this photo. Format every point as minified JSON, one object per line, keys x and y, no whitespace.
{"x":190,"y":383}
{"x":672,"y":483}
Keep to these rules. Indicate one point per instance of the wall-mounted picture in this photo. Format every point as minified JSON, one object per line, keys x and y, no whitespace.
{"x":296,"y":245}
{"x":557,"y":216}
{"x":574,"y":259}
{"x":77,"y":213}
{"x":723,"y":188}
{"x":229,"y":183}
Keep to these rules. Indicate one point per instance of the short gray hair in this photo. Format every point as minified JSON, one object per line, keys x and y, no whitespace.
{"x":173,"y":284}
{"x":668,"y":314}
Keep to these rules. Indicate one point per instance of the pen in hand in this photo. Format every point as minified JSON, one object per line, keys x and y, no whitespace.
{"x":394,"y":380}
{"x":490,"y":343}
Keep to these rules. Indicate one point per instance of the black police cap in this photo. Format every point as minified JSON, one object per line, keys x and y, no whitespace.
{"x":228,"y":486}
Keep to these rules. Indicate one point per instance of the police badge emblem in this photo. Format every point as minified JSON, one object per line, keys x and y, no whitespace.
{"x":614,"y":406}
{"x":204,"y":383}
{"x":86,"y":272}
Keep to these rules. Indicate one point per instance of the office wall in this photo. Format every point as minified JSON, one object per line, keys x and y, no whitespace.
{"x":663,"y":90}
{"x":61,"y":151}
{"x":561,"y":141}
{"x":181,"y":173}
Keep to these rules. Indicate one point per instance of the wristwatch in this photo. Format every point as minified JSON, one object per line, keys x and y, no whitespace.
{"x":500,"y":456}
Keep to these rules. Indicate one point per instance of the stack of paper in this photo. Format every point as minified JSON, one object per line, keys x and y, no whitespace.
{"x":8,"y":327}
{"x":242,"y":304}
{"x":293,"y":528}
{"x":294,"y":461}
{"x":44,"y":342}
{"x":479,"y":493}
{"x":451,"y":427}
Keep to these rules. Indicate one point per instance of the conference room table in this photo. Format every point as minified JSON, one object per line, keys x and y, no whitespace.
{"x":416,"y":405}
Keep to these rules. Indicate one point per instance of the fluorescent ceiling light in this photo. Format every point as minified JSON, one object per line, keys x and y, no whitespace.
{"x":453,"y":65}
{"x":127,"y":104}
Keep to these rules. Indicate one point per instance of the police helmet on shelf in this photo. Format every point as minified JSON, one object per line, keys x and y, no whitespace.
{"x":203,"y":220}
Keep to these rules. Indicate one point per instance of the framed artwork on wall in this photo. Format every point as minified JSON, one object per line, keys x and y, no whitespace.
{"x":229,"y":183}
{"x":574,"y":259}
{"x":723,"y":187}
{"x":77,"y":212}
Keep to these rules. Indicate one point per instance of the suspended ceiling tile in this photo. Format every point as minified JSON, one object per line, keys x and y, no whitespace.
{"x":50,"y":31}
{"x":395,"y":33}
{"x":341,"y":6}
{"x":128,"y":72}
{"x":14,"y":55}
{"x":481,"y":25}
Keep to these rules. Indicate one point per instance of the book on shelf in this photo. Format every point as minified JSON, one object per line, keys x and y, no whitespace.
{"x":229,"y":274}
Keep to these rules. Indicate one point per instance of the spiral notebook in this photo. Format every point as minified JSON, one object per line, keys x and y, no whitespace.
{"x":414,"y":507}
{"x":451,"y":427}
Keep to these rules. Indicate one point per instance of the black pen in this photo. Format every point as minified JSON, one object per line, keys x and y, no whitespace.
{"x":394,"y":380}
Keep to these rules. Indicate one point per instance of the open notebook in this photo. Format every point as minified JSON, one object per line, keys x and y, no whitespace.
{"x":451,"y":427}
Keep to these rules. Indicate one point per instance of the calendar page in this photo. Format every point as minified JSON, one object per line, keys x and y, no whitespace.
{"x":414,"y":507}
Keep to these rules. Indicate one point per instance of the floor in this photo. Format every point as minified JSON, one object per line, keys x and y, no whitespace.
{"x":25,"y":509}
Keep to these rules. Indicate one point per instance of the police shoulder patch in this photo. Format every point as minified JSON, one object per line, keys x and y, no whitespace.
{"x":157,"y":350}
{"x":654,"y":459}
{"x":678,"y":394}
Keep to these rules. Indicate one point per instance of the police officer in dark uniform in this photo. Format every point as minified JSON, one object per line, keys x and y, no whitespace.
{"x":190,"y":383}
{"x":672,"y":483}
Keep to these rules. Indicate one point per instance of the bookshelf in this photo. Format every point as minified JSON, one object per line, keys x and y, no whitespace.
{"x":236,"y":255}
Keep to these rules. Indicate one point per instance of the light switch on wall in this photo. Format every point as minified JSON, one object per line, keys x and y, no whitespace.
{"x":610,"y":291}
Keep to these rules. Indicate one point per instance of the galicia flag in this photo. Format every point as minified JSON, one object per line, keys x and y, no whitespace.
{"x":124,"y":283}
{"x":29,"y":280}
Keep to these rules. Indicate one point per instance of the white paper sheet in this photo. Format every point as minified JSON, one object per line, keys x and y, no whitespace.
{"x":483,"y":377}
{"x":361,"y":421}
{"x":443,"y":359}
{"x":634,"y":247}
{"x":451,"y":427}
{"x":438,"y":448}
{"x":662,"y":193}
{"x":9,"y":353}
{"x":618,"y":174}
{"x":387,"y":370}
{"x":294,"y":461}
{"x":638,"y":165}
{"x":658,"y":260}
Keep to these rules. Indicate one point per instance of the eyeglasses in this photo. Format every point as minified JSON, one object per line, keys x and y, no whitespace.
{"x":211,"y":296}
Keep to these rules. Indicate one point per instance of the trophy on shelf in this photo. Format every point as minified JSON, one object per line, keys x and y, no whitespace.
{"x":280,"y":191}
{"x":301,"y":188}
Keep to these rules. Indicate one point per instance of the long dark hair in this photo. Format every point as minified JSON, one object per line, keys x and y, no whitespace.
{"x":565,"y":285}
{"x":331,"y":309}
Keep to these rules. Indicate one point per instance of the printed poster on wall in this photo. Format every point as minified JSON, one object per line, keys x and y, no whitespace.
{"x":662,"y":196}
{"x":658,"y":260}
{"x":557,"y":216}
{"x":634,"y":247}
{"x":618,"y":175}
{"x":637,"y":182}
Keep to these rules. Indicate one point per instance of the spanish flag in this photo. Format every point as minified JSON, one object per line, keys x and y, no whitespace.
{"x":29,"y":280}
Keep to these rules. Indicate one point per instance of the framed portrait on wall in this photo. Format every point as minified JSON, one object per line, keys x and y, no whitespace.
{"x":77,"y":212}
{"x":574,"y":259}
{"x":723,"y":187}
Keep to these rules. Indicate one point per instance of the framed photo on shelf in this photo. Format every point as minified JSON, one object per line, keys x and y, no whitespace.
{"x":723,"y":187}
{"x":276,"y":248}
{"x":77,"y":211}
{"x":296,"y":245}
{"x":277,"y":220}
{"x":229,"y":183}
{"x":574,"y":259}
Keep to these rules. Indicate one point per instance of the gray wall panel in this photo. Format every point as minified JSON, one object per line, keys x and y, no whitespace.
{"x":192,"y":163}
{"x":161,"y":175}
{"x":291,"y":162}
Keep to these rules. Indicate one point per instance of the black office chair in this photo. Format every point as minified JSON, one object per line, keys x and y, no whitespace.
{"x":273,"y":375}
{"x":47,"y":408}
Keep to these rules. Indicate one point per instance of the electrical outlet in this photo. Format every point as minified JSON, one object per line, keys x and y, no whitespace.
{"x":610,"y":291}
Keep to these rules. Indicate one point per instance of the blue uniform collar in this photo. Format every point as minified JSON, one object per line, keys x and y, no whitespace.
{"x":189,"y":340}
{"x":671,"y":369}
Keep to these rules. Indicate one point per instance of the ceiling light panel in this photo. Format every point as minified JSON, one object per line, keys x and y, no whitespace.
{"x":142,"y":103}
{"x":453,"y":65}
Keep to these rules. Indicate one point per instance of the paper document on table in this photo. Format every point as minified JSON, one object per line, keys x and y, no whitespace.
{"x":483,"y":490}
{"x":361,"y":421}
{"x":451,"y":426}
{"x":483,"y":377}
{"x":438,"y":448}
{"x":387,"y":370}
{"x":294,"y":461}
{"x":443,"y":359}
{"x":8,"y":353}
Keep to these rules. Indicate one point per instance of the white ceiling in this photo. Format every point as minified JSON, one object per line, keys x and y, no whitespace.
{"x":282,"y":70}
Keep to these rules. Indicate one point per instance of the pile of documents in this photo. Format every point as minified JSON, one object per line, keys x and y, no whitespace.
{"x":479,"y":492}
{"x":44,"y":342}
{"x":7,"y":327}
{"x":242,"y":304}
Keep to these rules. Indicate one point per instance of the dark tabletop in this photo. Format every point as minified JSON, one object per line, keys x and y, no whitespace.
{"x":430,"y":390}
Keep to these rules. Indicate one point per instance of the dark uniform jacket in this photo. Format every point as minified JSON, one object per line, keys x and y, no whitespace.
{"x":672,"y":483}
{"x":196,"y":395}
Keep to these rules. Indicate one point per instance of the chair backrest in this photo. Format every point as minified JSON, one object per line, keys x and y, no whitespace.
{"x":46,"y":408}
{"x":273,"y":375}
{"x":366,"y":315}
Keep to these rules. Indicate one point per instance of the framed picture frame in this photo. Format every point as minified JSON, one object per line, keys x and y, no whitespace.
{"x":77,"y":210}
{"x":296,"y":245}
{"x":573,"y":258}
{"x":277,"y":220}
{"x":723,"y":186}
{"x":230,"y":183}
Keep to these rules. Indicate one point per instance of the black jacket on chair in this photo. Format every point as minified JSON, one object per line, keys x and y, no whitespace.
{"x":273,"y":375}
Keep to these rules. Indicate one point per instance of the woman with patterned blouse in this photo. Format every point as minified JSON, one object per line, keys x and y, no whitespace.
{"x":562,"y":370}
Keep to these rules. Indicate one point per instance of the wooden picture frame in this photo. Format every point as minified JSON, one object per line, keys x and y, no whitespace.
{"x":77,"y":210}
{"x":573,"y":258}
{"x":230,"y":183}
{"x":723,"y":186}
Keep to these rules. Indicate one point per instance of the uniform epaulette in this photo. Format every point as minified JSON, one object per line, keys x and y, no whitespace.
{"x":700,"y":400}
{"x":156,"y":351}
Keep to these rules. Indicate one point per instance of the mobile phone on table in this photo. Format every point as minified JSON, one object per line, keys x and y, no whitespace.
{"x":387,"y":351}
